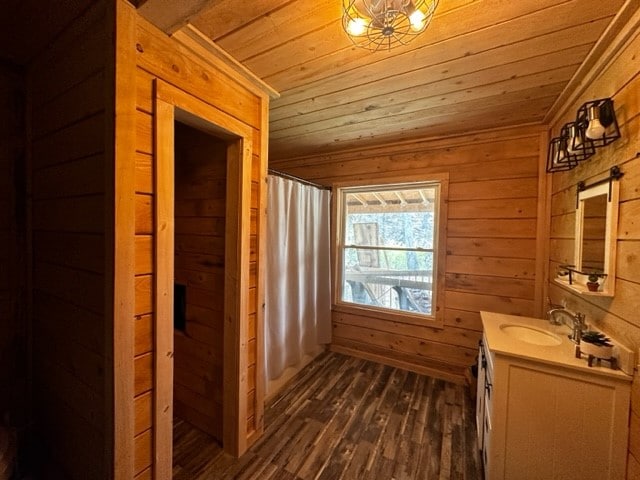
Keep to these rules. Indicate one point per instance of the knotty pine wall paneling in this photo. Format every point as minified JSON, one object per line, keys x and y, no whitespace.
{"x":200,"y":194}
{"x":491,"y":241}
{"x":66,"y":91}
{"x":13,"y":324}
{"x":203,"y":77}
{"x":619,"y":79}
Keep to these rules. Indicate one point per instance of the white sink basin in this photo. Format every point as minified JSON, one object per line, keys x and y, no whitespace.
{"x":534,"y":336}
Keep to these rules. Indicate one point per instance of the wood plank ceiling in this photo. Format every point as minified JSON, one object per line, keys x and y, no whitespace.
{"x":480,"y":64}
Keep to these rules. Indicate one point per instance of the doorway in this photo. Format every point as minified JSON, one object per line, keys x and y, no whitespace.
{"x":201,"y":256}
{"x":200,"y":175}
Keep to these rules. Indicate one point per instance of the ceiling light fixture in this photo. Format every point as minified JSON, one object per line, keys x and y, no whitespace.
{"x":384,"y":24}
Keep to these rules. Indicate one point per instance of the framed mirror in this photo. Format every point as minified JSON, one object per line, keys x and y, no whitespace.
{"x":593,"y":270}
{"x":591,"y":231}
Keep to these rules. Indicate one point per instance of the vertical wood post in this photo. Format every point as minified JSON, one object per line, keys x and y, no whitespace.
{"x":163,"y":289}
{"x":119,"y":236}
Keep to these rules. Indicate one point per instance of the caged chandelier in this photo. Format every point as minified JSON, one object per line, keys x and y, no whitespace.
{"x":384,"y":24}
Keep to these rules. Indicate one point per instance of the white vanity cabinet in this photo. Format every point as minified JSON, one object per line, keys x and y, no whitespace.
{"x":483,"y":401}
{"x":542,"y":420}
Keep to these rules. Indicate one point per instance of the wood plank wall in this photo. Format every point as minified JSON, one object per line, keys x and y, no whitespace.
{"x":200,"y":201}
{"x":619,"y":315}
{"x":159,"y":57}
{"x":66,"y":89}
{"x":490,"y":244}
{"x":13,"y":327}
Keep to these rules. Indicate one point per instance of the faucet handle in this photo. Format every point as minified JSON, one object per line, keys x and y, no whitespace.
{"x":579,"y":327}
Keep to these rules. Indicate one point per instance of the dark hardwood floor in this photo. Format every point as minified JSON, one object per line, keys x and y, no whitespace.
{"x":346,"y":418}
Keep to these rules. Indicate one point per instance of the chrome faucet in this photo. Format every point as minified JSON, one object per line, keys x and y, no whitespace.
{"x":552,"y":307}
{"x":578,"y":324}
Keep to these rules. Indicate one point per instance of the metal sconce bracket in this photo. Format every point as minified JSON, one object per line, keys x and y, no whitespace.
{"x":600,"y":111}
{"x":614,"y":174}
{"x":595,"y":126}
{"x":558,"y":160}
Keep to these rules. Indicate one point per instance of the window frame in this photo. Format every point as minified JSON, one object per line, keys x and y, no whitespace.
{"x":436,"y":319}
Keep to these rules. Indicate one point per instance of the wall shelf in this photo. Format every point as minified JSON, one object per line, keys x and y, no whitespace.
{"x":582,"y":289}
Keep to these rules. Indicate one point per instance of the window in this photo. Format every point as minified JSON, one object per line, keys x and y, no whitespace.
{"x":387,"y":247}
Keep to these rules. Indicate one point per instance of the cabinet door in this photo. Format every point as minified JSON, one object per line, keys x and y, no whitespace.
{"x":557,"y":427}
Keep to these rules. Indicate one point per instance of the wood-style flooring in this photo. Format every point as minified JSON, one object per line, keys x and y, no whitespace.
{"x":346,"y":418}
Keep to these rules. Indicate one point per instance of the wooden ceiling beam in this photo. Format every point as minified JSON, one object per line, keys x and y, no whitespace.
{"x":359,"y":199}
{"x":393,"y":208}
{"x":169,"y":15}
{"x":379,"y":198}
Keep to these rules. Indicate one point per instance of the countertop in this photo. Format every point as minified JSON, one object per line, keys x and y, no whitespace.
{"x":563,"y":355}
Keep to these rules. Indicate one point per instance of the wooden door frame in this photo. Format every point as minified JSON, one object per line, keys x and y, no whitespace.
{"x":170,"y":104}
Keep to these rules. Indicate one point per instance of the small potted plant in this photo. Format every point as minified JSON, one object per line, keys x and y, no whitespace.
{"x":593,"y":284}
{"x":596,"y":344}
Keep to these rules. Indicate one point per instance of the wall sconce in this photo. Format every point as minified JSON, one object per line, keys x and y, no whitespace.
{"x":597,"y":119}
{"x":558,"y":159}
{"x":595,"y":126}
{"x":578,"y":144}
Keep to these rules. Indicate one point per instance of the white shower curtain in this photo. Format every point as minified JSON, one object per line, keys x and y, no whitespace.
{"x":297,"y":293}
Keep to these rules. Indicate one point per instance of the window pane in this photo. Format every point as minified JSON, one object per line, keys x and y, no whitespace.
{"x":390,"y":218}
{"x":387,"y":242}
{"x":394,"y":279}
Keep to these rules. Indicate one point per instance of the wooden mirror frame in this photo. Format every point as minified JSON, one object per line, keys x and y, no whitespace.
{"x":577,"y":278}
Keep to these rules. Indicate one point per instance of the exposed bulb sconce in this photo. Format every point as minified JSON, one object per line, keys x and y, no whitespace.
{"x":578,"y":144}
{"x":598,"y":119}
{"x":574,"y":140}
{"x":384,"y":24}
{"x":558,"y":159}
{"x":595,"y":126}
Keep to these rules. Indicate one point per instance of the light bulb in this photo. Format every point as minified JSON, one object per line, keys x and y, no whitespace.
{"x":575,"y":142}
{"x":595,"y":129}
{"x":417,"y":20}
{"x":559,"y":155}
{"x":356,"y":26}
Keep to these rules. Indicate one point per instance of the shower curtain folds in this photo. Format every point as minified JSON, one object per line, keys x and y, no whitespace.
{"x":298,"y":283}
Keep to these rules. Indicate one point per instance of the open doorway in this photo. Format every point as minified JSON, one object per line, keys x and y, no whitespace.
{"x":199,"y":278}
{"x":202,"y":186}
